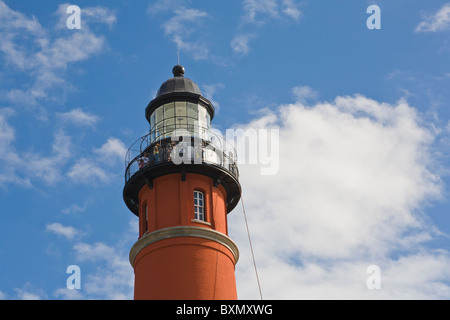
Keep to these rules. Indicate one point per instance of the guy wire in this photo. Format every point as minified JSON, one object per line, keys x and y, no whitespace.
{"x":251,"y":248}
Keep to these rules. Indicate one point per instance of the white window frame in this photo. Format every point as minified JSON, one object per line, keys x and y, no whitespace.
{"x":199,"y":206}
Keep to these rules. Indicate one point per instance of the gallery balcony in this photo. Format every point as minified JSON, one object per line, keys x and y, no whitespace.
{"x":203,"y":151}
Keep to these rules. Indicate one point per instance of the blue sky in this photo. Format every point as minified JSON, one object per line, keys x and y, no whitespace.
{"x":364,"y":126}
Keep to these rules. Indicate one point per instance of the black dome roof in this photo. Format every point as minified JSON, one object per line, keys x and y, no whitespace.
{"x":178,"y":88}
{"x":178,"y":84}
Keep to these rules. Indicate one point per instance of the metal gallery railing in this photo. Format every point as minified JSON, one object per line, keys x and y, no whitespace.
{"x":181,"y":147}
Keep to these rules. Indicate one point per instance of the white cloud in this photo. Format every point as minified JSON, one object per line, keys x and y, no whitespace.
{"x":74,"y":208}
{"x":110,"y":277}
{"x":290,"y":9}
{"x":182,"y":25}
{"x":253,"y":8}
{"x":159,"y":6}
{"x":68,"y":294}
{"x":89,"y":15}
{"x":10,"y":160}
{"x":209,"y":91}
{"x":302,"y":94}
{"x":260,"y":11}
{"x":114,"y":278}
{"x":79,"y":117}
{"x":95,"y":252}
{"x":97,"y":168}
{"x":185,"y":27}
{"x":183,"y":19}
{"x":44,"y":58}
{"x":22,"y":168}
{"x":12,"y":25}
{"x":438,"y":21}
{"x":112,"y":148}
{"x":99,"y":14}
{"x":63,"y":51}
{"x":68,"y":232}
{"x":406,"y":278}
{"x":48,"y":168}
{"x":7,"y":136}
{"x":87,"y":171}
{"x":28,"y":292}
{"x":13,"y":20}
{"x":240,"y":43}
{"x":354,"y":178}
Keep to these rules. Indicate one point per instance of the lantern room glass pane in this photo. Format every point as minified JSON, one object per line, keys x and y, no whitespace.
{"x":208,"y":120}
{"x":152,"y":120}
{"x":181,"y":120}
{"x":202,"y":116}
{"x":180,"y":107}
{"x":159,"y":129}
{"x":169,"y":110}
{"x":192,"y":124}
{"x":182,"y":127}
{"x":169,"y":126}
{"x":181,"y":115}
{"x":159,"y":114}
{"x":192,"y":110}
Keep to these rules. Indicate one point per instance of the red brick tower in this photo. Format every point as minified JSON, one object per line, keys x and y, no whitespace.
{"x":181,"y":181}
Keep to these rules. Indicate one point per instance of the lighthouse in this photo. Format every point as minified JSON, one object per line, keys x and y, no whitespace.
{"x":181,"y":181}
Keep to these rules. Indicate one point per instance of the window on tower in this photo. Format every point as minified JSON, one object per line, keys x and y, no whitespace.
{"x":199,"y":205}
{"x":143,"y":219}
